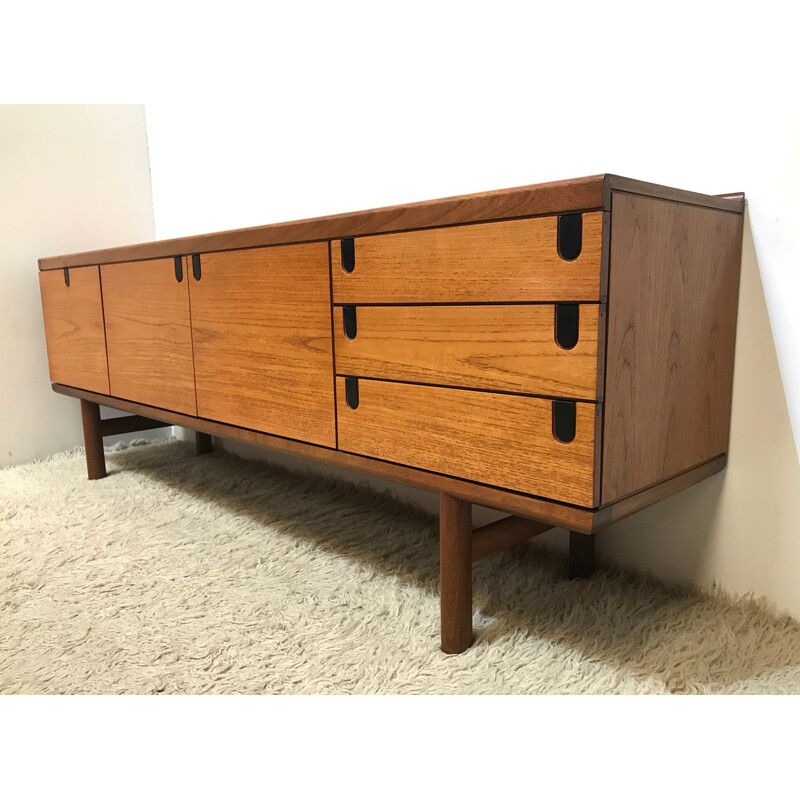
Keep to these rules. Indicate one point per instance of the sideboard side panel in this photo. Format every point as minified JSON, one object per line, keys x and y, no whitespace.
{"x":673,"y":291}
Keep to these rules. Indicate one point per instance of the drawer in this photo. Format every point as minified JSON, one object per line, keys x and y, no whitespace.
{"x":531,"y":349}
{"x":511,"y":261}
{"x":498,"y":439}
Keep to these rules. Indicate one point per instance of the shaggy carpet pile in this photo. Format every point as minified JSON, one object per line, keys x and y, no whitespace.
{"x":185,"y":574}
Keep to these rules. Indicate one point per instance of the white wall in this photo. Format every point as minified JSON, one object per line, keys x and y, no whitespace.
{"x":370,"y":110}
{"x":72,"y":178}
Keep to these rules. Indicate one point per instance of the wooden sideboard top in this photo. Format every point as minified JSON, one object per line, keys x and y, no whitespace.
{"x":591,"y":193}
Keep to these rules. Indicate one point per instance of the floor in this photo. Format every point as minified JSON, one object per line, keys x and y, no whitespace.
{"x":186,"y":574}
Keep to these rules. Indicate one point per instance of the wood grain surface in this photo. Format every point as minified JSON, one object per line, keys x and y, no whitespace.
{"x":578,"y":194}
{"x":514,"y":261}
{"x":73,"y":328}
{"x":502,"y":534}
{"x":537,"y":508}
{"x":733,"y":202}
{"x":674,"y":280}
{"x":503,"y":347}
{"x":262,"y":341}
{"x":149,"y":334}
{"x":498,"y":439}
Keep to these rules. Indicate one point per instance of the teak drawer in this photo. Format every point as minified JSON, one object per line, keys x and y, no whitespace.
{"x":531,"y":349}
{"x":498,"y":439}
{"x":495,"y":262}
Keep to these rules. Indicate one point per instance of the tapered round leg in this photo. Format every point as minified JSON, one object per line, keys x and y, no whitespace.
{"x":455,"y":565}
{"x":93,"y":440}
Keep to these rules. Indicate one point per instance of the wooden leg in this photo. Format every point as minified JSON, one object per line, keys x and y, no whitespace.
{"x":455,"y":567}
{"x":203,"y":442}
{"x":93,"y":440}
{"x":581,"y":555}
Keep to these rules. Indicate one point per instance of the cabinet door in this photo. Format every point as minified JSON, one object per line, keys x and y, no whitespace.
{"x":261,"y":323}
{"x":73,"y":327}
{"x":149,"y":334}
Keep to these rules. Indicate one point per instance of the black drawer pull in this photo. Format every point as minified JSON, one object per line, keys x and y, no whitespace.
{"x":564,"y":420}
{"x":350,"y":322}
{"x":351,"y":392}
{"x":66,"y":276}
{"x":196,"y":266}
{"x":178,"y":269}
{"x":570,"y":236}
{"x":348,"y":254}
{"x":567,"y":319}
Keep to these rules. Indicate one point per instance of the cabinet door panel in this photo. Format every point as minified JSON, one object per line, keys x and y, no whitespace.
{"x":261,"y":322}
{"x":73,"y":328}
{"x":149,"y":334}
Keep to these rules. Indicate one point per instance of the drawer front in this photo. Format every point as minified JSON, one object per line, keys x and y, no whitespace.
{"x":73,"y":327}
{"x":511,"y":348}
{"x":501,"y":440}
{"x":511,"y":261}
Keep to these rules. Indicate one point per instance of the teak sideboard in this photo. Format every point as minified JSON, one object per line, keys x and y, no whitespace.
{"x":561,"y":352}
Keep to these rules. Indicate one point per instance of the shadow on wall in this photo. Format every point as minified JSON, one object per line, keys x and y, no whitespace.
{"x":739,"y":528}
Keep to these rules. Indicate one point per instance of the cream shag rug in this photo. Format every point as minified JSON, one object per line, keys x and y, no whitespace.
{"x":188,"y":574}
